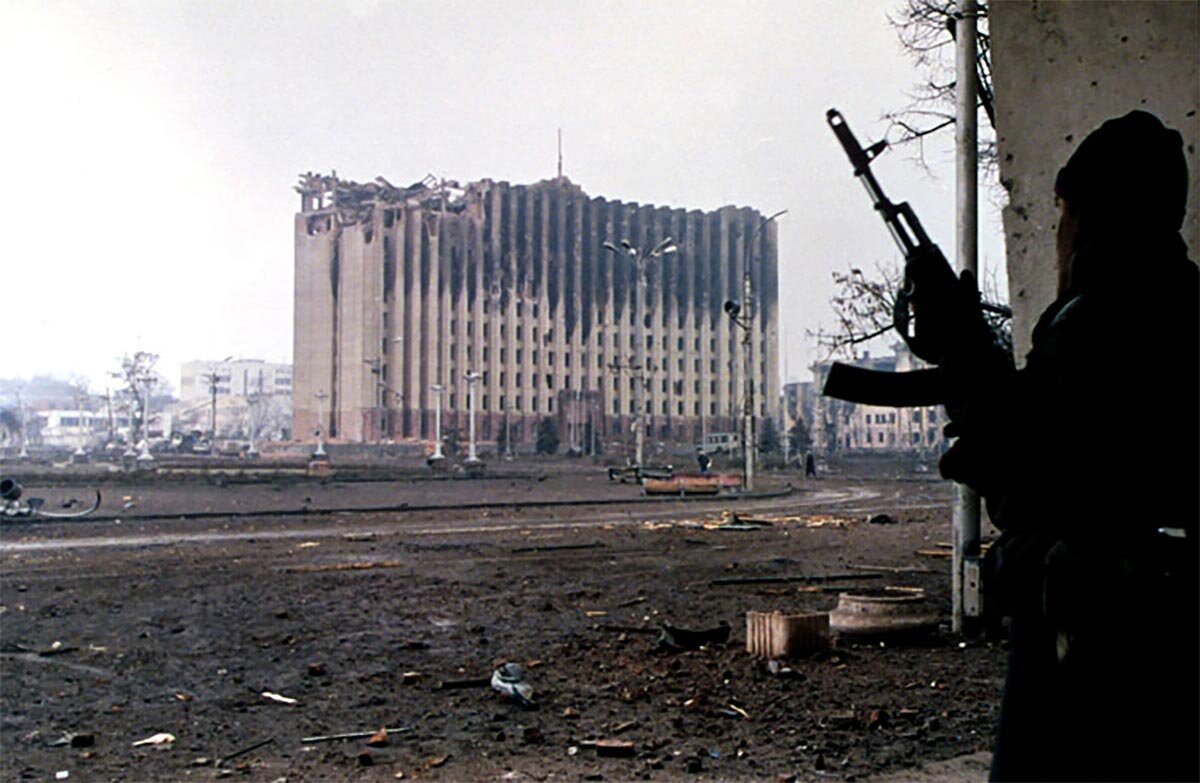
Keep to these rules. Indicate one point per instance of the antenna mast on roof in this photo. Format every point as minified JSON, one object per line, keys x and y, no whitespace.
{"x":560,"y":154}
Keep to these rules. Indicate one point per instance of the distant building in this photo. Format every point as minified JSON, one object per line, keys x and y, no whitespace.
{"x":233,"y":378}
{"x":840,"y":427}
{"x":399,"y":289}
{"x":88,"y":429}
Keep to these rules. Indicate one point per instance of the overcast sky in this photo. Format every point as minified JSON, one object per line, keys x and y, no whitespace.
{"x":152,"y":147}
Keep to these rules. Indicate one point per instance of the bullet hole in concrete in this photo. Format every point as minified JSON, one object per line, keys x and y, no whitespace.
{"x":1069,"y":137}
{"x":1124,"y":39}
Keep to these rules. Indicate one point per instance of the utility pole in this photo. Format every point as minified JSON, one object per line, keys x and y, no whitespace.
{"x":965,"y":549}
{"x":743,"y":316}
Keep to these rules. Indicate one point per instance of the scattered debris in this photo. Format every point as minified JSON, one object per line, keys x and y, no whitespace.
{"x":410,"y":678}
{"x":379,"y":739}
{"x":317,"y":670}
{"x":556,"y":548}
{"x":471,"y":682}
{"x":436,"y":761}
{"x":621,"y":728}
{"x":352,"y":735}
{"x":778,"y":668}
{"x":626,"y":628}
{"x":779,"y":635}
{"x":891,"y":569}
{"x":674,"y":638}
{"x":62,"y":775}
{"x":739,"y":711}
{"x":75,"y":741}
{"x":766,"y":580}
{"x":162,"y":738}
{"x":509,"y":682}
{"x":356,"y":566}
{"x":733,"y":520}
{"x":633,"y":601}
{"x":842,"y":719}
{"x":279,"y":698}
{"x":237,"y":753}
{"x":891,"y":610}
{"x":613,"y":748}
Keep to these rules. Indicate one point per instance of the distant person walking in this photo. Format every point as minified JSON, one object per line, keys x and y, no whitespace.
{"x":810,"y":465}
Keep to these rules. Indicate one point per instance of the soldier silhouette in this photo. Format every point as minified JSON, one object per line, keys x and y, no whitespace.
{"x":1095,"y":573}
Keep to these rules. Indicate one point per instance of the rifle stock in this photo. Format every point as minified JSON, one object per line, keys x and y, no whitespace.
{"x":917,"y":388}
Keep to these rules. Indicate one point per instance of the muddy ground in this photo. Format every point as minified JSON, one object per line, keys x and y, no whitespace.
{"x":143,"y":621}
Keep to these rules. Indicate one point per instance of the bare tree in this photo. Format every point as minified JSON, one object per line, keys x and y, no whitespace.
{"x":136,"y":377}
{"x":864,"y":306}
{"x":926,"y":30}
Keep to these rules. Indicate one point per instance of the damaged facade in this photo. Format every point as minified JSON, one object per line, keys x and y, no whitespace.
{"x":840,"y":427}
{"x":398,"y":289}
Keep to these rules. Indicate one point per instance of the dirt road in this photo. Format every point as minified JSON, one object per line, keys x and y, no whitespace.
{"x":145,"y":623}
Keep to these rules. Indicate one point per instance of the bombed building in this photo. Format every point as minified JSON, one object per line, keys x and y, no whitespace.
{"x":526,"y":297}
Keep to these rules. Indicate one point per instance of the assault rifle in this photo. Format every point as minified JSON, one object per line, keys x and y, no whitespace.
{"x":924,"y":261}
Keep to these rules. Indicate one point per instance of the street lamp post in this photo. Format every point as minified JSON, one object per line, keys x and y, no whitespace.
{"x":145,"y":455}
{"x":437,"y":424}
{"x":252,"y":404}
{"x":378,"y":402}
{"x":640,"y":262}
{"x":743,"y":316}
{"x":320,"y":396}
{"x":508,"y":452}
{"x":472,"y":378}
{"x":23,"y":454}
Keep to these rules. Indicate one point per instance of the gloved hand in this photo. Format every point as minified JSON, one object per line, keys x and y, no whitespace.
{"x":937,"y":313}
{"x":964,"y":463}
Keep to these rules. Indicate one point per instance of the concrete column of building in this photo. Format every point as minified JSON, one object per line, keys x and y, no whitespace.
{"x":312,"y":334}
{"x":414,"y":337}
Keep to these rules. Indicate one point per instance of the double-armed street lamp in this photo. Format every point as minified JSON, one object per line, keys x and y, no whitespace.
{"x":640,"y":262}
